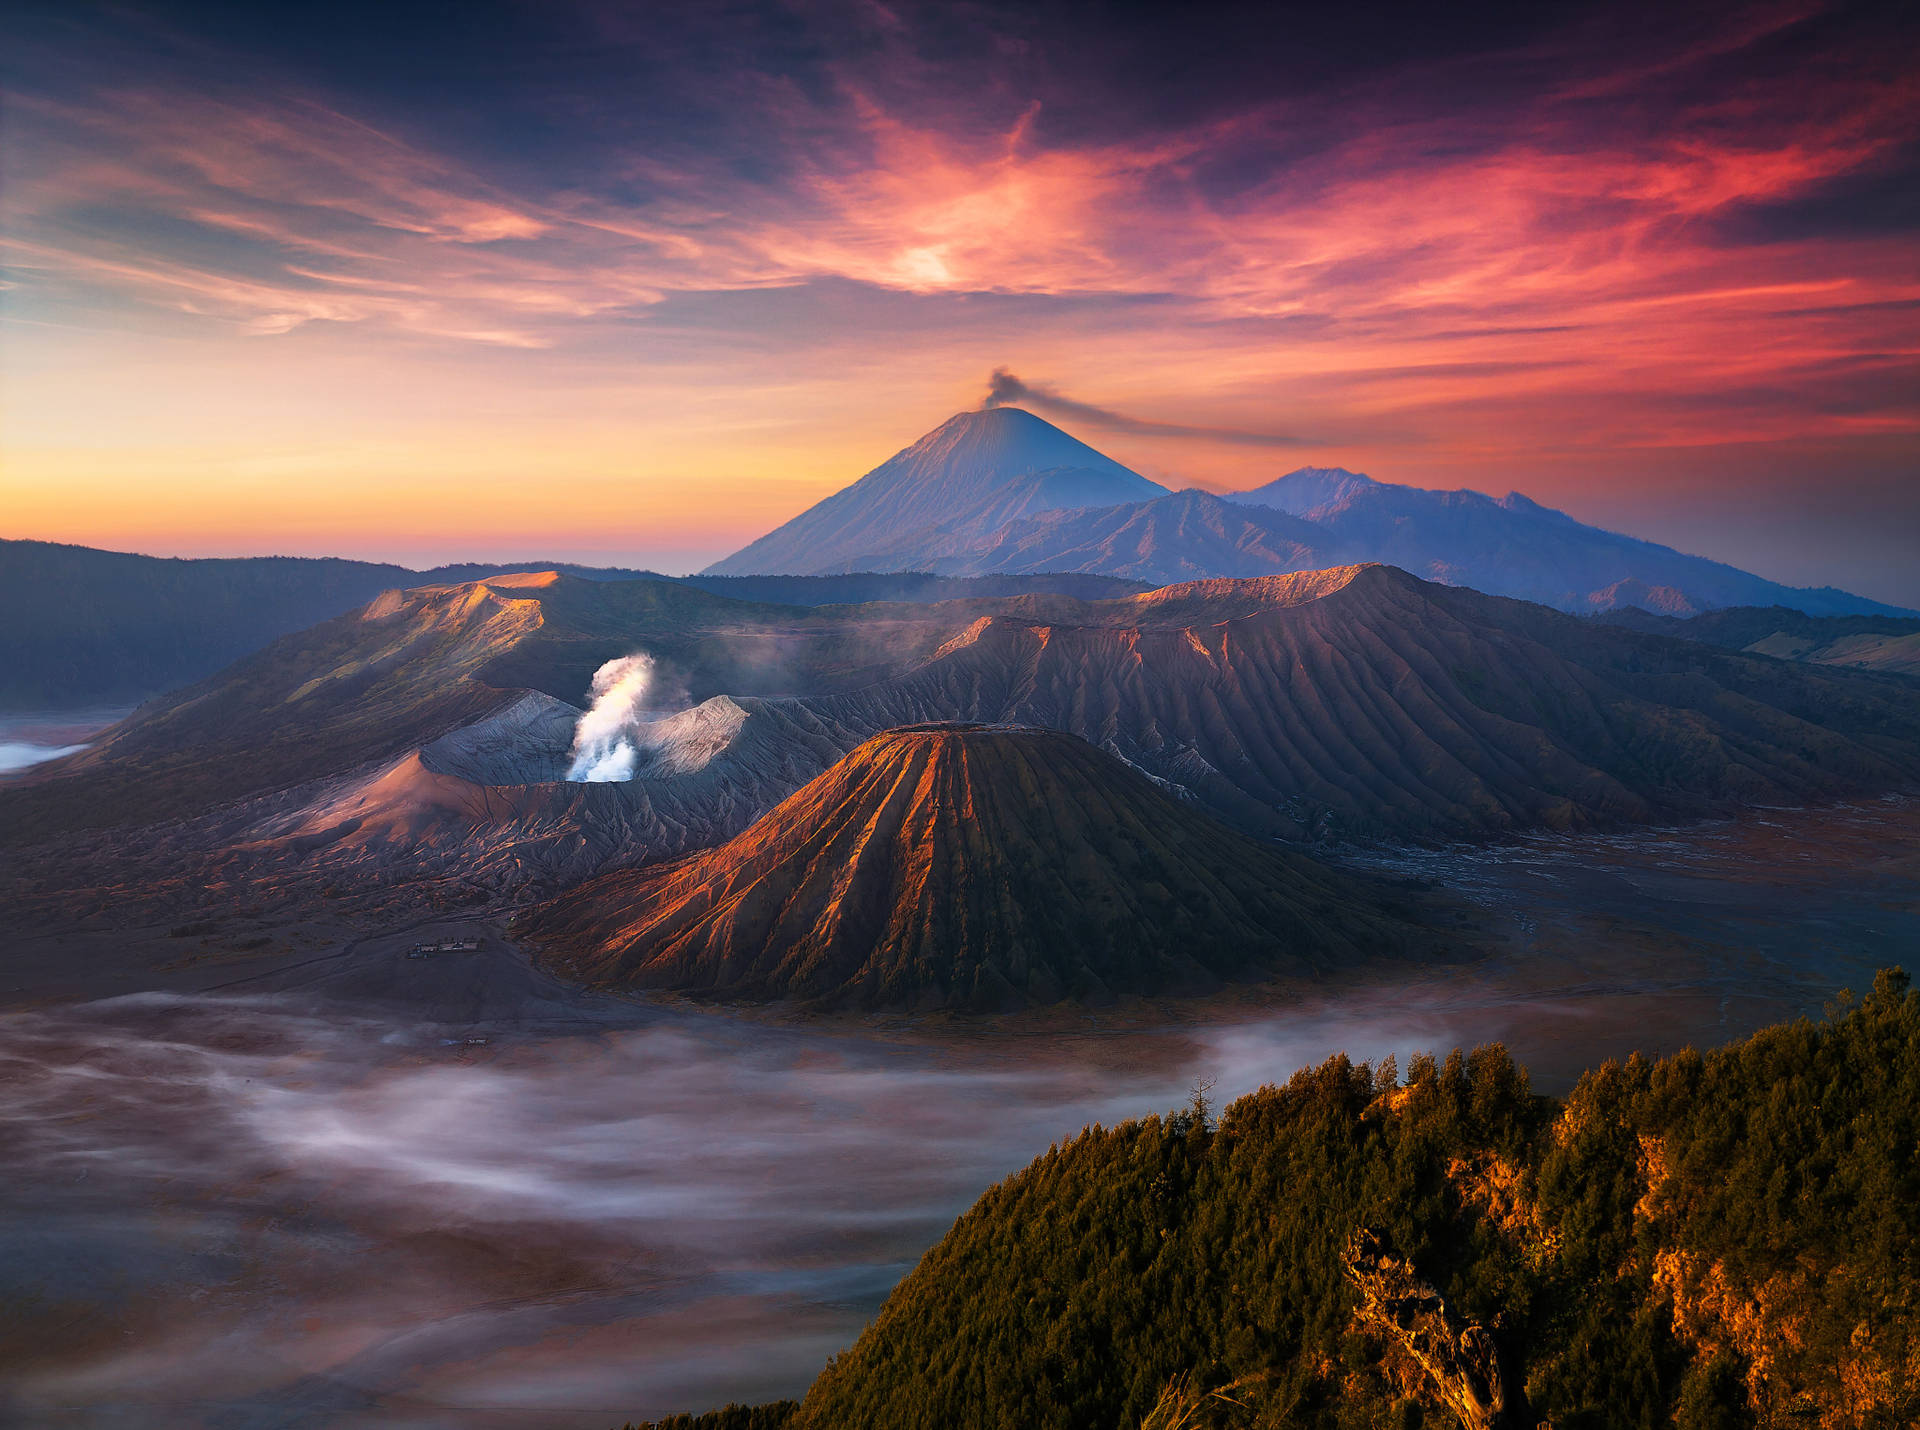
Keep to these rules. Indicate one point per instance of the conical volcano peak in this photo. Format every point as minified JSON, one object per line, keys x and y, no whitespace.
{"x":972,"y":865}
{"x":949,"y":473}
{"x":1013,"y":430}
{"x":971,"y":453}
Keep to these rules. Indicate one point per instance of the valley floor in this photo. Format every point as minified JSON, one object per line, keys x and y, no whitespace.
{"x":312,"y":1181}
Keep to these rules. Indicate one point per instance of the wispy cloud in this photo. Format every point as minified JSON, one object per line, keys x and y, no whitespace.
{"x":1393,"y":232}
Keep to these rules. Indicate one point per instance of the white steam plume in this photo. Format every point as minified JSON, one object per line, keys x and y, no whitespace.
{"x":603,"y":745}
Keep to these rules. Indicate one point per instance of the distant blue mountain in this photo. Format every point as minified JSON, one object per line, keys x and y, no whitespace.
{"x":1003,"y":491}
{"x":1513,"y":546}
{"x":1003,"y":458}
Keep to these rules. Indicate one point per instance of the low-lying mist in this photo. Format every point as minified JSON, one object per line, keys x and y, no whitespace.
{"x":276,"y":1212}
{"x":292,"y":1211}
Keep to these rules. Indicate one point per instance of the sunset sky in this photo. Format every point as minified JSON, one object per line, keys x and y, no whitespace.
{"x":632,"y":284}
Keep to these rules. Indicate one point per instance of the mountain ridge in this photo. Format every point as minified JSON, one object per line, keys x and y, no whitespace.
{"x":94,"y":629}
{"x":963,"y":520}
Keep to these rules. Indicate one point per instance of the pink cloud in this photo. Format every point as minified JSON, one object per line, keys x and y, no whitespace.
{"x":1590,"y":259}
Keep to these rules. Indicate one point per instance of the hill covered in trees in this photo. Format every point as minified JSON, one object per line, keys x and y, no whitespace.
{"x":1721,"y":1241}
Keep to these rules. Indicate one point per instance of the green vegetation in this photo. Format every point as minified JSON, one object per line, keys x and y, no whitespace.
{"x":1726,"y":1240}
{"x":776,"y":1416}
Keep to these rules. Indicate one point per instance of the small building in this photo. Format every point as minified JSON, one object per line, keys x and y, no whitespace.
{"x":451,"y":945}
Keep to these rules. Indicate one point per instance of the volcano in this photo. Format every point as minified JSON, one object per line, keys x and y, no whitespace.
{"x":1002,"y":458}
{"x":1002,"y":492}
{"x":972,"y":866}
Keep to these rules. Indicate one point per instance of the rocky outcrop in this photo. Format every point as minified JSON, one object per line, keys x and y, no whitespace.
{"x":1459,"y":1359}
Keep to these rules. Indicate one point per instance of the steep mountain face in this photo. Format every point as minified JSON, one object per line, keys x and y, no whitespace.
{"x":1368,"y":703}
{"x":977,"y":866}
{"x":953,"y":471}
{"x":857,"y":588}
{"x":1511,"y":546}
{"x":1699,"y":1241}
{"x":354,"y":693}
{"x":1889,"y":643}
{"x":103,"y":628}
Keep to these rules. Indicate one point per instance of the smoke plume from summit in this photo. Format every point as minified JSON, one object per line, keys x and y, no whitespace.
{"x":604,"y":748}
{"x":1006,"y":389}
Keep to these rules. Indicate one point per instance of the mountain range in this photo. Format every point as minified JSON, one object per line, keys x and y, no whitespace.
{"x":427,"y":738}
{"x":1001,"y":490}
{"x":104,"y":628}
{"x":991,"y":503}
{"x":1861,"y":642}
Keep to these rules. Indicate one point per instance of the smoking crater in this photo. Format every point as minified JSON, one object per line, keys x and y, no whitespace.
{"x":605,"y":744}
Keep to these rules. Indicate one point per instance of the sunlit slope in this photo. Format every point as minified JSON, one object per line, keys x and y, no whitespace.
{"x":1702,"y":1241}
{"x":1356,"y":701}
{"x":1177,"y":537}
{"x":974,"y":866}
{"x":357,"y":688}
{"x":408,"y":668}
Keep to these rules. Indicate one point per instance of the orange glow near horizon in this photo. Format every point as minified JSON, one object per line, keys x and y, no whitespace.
{"x":303,"y":333}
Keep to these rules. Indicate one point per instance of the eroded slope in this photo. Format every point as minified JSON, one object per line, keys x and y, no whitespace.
{"x":969,"y":865}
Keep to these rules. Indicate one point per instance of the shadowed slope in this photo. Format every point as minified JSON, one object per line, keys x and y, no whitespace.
{"x":414,"y":665}
{"x":1884,"y":643}
{"x":974,"y":866}
{"x":1368,"y":702}
{"x":1357,"y":701}
{"x":90,"y":627}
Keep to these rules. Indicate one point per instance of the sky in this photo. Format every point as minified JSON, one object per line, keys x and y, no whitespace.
{"x":633,"y":284}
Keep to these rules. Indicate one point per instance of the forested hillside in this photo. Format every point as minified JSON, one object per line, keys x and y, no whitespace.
{"x":1705,"y":1241}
